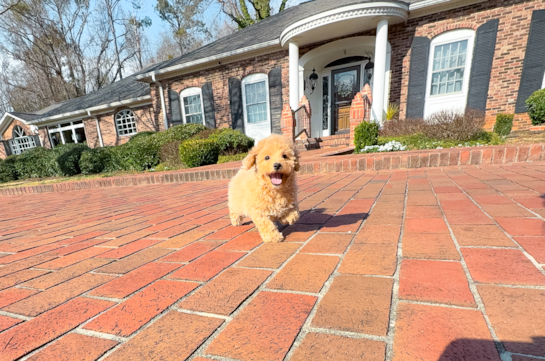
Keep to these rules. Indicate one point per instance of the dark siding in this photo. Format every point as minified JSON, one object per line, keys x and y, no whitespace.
{"x":483,"y":55}
{"x":275,"y":98}
{"x":37,"y":140}
{"x":235,"y":100}
{"x":6,"y":147}
{"x":534,"y":61}
{"x":175,"y":108}
{"x":418,"y":72}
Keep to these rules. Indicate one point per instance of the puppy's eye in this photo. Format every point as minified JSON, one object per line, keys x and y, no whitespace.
{"x":267,"y":158}
{"x":285,"y":156}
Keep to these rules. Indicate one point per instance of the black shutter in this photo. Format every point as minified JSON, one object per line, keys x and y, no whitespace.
{"x":235,"y":100}
{"x":7,"y":147}
{"x":37,"y":140}
{"x":534,"y":61}
{"x":208,"y":103}
{"x":275,"y":99}
{"x":483,"y":55}
{"x":175,"y":108}
{"x":418,"y":74}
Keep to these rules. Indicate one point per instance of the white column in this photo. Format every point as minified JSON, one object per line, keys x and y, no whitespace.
{"x":379,"y":72}
{"x":294,"y":75}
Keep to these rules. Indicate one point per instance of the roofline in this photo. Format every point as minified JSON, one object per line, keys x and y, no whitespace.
{"x":84,"y":111}
{"x":3,"y":120}
{"x":203,"y":61}
{"x":385,"y":8}
{"x":147,"y":76}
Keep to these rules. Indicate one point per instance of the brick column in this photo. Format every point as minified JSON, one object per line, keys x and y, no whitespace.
{"x":287,"y":122}
{"x":357,"y":113}
{"x":367,"y":111}
{"x":304,"y":118}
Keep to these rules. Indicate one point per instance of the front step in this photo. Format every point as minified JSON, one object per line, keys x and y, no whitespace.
{"x":341,"y":140}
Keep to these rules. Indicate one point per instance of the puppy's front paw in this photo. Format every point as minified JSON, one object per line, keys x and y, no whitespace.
{"x":275,"y":237}
{"x":236,"y":220}
{"x":292,"y":218}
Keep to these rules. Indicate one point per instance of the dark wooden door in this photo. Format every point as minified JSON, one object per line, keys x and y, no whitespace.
{"x":345,"y":85}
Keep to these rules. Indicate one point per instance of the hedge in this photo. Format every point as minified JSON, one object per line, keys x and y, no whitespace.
{"x":8,"y":172}
{"x":195,"y":153}
{"x":366,"y":133}
{"x":232,"y":141}
{"x":504,"y":123}
{"x":536,"y":107}
{"x":95,"y":161}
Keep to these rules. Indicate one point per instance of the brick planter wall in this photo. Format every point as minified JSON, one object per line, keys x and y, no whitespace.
{"x":320,"y":164}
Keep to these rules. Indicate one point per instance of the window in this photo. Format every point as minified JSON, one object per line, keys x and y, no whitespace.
{"x":71,"y":132}
{"x":125,"y":122}
{"x":256,"y":98}
{"x":449,"y":65}
{"x":21,"y":141}
{"x":448,"y":68}
{"x":543,"y":84}
{"x":192,"y":107}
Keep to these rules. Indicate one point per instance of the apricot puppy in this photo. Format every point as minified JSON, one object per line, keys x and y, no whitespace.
{"x":265,"y":188}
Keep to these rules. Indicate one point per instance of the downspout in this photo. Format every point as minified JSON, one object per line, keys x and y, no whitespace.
{"x":98,"y":129}
{"x":162,"y":95}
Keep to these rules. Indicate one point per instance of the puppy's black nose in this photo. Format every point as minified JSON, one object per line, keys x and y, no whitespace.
{"x":277,"y":166}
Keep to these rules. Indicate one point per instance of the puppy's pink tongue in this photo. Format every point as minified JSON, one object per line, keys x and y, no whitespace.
{"x":276,"y":178}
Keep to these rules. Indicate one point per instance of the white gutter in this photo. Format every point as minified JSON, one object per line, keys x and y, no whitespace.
{"x":162,"y":95}
{"x":98,"y":128}
{"x":426,"y":3}
{"x":209,"y":59}
{"x":96,"y":108}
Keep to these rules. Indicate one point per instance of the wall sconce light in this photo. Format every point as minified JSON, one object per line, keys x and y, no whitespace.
{"x":312,"y":80}
{"x":369,"y":71}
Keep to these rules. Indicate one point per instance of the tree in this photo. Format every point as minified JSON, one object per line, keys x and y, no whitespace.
{"x":183,"y":16}
{"x":238,"y":10}
{"x":7,"y":5}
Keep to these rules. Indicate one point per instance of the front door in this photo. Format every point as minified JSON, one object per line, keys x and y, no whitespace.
{"x":345,"y":86}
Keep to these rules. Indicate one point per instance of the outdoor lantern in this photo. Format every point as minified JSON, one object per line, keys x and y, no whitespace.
{"x":369,"y":71}
{"x":312,"y":80}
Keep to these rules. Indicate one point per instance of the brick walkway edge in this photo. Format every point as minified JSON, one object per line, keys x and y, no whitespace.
{"x":313,"y":165}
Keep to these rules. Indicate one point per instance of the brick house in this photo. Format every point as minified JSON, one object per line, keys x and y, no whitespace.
{"x":335,"y":58}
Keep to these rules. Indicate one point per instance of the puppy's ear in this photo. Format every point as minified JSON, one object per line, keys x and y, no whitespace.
{"x":250,"y":159}
{"x":296,"y":154}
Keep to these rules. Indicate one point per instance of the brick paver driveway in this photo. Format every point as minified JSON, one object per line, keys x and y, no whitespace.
{"x":424,"y":264}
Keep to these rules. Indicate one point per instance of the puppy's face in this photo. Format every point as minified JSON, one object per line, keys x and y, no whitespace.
{"x":275,"y":159}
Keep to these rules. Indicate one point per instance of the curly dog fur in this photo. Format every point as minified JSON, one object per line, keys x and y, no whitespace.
{"x":255,"y":191}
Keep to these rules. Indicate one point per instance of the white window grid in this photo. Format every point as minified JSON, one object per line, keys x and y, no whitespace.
{"x":125,"y":122}
{"x":256,"y":102}
{"x":193,"y":109}
{"x":449,"y":61}
{"x":19,"y":145}
{"x":72,"y":126}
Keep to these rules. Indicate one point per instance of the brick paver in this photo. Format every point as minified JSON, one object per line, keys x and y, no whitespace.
{"x":414,"y":264}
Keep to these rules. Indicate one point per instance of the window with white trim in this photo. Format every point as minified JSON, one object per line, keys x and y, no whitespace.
{"x":255,"y":94}
{"x":65,"y":133}
{"x":21,"y":141}
{"x":125,"y":122}
{"x":543,"y":84}
{"x":449,"y":62}
{"x":192,"y":106}
{"x":449,"y":69}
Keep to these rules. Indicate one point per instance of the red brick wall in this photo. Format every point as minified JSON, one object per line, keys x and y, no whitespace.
{"x":8,"y":133}
{"x":219,"y":77}
{"x":511,"y":42}
{"x":145,"y":121}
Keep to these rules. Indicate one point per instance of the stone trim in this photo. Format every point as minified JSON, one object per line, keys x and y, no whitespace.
{"x":502,"y":154}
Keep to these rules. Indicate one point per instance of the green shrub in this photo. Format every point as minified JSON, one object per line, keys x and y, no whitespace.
{"x":179,"y":132}
{"x":95,"y":161}
{"x":205,"y":134}
{"x":169,"y":154}
{"x":67,"y":157}
{"x":195,"y":153}
{"x":366,"y":133}
{"x":141,"y":134}
{"x":37,"y":163}
{"x":232,"y":141}
{"x":8,"y":172}
{"x":231,"y":158}
{"x":504,"y":123}
{"x":536,"y":107}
